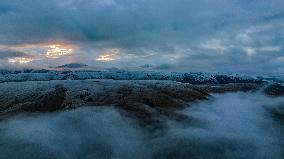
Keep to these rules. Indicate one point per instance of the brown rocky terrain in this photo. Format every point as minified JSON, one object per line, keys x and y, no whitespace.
{"x":144,"y":100}
{"x":274,"y":90}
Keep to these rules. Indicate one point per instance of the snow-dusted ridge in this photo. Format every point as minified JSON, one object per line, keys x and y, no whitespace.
{"x":193,"y":78}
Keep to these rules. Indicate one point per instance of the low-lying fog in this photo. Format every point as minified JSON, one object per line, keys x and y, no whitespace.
{"x":234,"y":125}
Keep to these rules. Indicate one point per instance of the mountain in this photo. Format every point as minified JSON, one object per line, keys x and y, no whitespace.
{"x":73,"y":65}
{"x":192,"y":78}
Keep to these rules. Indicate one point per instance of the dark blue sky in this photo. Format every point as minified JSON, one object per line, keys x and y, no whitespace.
{"x":245,"y":36}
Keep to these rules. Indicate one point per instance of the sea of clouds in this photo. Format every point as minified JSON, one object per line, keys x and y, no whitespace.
{"x":233,"y":125}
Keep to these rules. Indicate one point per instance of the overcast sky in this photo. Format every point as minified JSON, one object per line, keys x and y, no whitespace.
{"x":244,"y":36}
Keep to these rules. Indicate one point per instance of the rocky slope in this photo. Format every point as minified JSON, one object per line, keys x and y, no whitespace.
{"x":143,"y":95}
{"x":146,"y":100}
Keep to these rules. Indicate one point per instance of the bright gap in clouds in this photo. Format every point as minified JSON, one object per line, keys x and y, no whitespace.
{"x":108,"y":56}
{"x":20,"y":60}
{"x":50,"y":52}
{"x":28,"y":53}
{"x":57,"y":51}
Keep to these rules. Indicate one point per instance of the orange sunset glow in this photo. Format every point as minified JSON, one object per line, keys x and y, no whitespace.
{"x":112,"y":55}
{"x":21,"y":60}
{"x":56,"y":51}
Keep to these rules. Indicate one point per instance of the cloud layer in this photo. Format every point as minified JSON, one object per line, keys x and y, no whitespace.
{"x":222,"y":35}
{"x":234,"y":125}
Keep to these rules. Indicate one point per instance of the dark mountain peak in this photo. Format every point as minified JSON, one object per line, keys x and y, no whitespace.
{"x":73,"y":65}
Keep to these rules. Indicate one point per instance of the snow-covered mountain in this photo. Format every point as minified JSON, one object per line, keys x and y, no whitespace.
{"x":193,"y":78}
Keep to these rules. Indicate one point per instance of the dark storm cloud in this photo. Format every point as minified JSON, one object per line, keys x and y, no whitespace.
{"x":221,"y":32}
{"x":127,"y":22}
{"x":11,"y":53}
